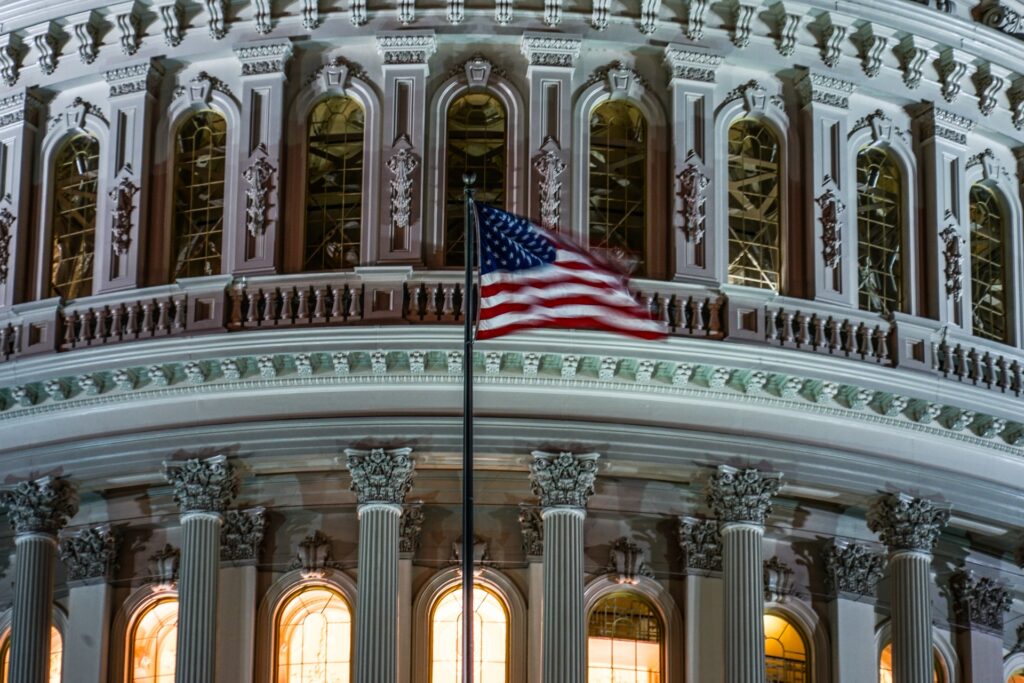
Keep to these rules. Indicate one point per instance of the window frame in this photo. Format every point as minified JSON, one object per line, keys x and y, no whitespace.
{"x":137,"y":615}
{"x":286,"y":598}
{"x":59,"y":621}
{"x":941,"y":645}
{"x":814,"y":632}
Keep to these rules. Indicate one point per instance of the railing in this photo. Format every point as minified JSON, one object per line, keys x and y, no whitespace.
{"x":970,"y":360}
{"x":864,"y":337}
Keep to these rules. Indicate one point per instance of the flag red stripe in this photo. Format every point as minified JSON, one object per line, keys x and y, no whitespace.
{"x":591,"y":323}
{"x":524,"y":306}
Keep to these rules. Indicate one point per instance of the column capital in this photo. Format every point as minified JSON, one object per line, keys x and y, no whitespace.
{"x":563,"y":479}
{"x":380,"y":475}
{"x":264,"y":57}
{"x":202,"y":485}
{"x":907,"y":523}
{"x":410,"y":525}
{"x":818,"y":88}
{"x":140,"y":77}
{"x":40,"y":506}
{"x":19,"y":107}
{"x":242,"y":534}
{"x":701,"y":543}
{"x":531,"y":525}
{"x":852,"y":568}
{"x":688,"y":63}
{"x":406,"y":48}
{"x":90,"y":554}
{"x":936,"y":122}
{"x":736,"y":495}
{"x":978,"y":602}
{"x":551,"y":49}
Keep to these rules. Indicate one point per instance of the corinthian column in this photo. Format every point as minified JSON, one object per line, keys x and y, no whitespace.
{"x":380,"y":478}
{"x":909,"y":527}
{"x":203,"y":489}
{"x":741,"y":499}
{"x":564,"y":483}
{"x":37,"y":510}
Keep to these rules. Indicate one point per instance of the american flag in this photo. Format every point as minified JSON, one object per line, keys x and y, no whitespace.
{"x":532,"y":278}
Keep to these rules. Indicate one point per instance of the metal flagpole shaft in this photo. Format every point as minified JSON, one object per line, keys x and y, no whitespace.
{"x":467,"y":436}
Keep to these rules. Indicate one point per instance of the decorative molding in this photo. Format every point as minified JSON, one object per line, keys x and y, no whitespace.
{"x":942,"y":123}
{"x":314,"y":556}
{"x":563,"y":479}
{"x":207,"y":485}
{"x":531,"y":525}
{"x":546,"y":49}
{"x":130,"y":27}
{"x":264,"y":58}
{"x":11,"y":53}
{"x":907,"y":523}
{"x":241,"y":534}
{"x":692,"y":65}
{"x":503,"y":12}
{"x":549,"y":166}
{"x":736,"y":495}
{"x":411,"y":47}
{"x":310,"y":14}
{"x":7,"y":222}
{"x":953,"y":257}
{"x":978,"y":602}
{"x":743,"y":16}
{"x":74,"y":115}
{"x":832,"y":36}
{"x":599,"y":14}
{"x":701,"y":543}
{"x":552,"y":12}
{"x":619,"y":80}
{"x":163,"y":567}
{"x":1000,"y":17}
{"x":823,"y":89}
{"x":379,"y":475}
{"x":831,"y":209}
{"x":989,"y":84}
{"x":261,"y":17}
{"x":259,"y":181}
{"x":991,"y":169}
{"x":90,"y":553}
{"x":881,"y":126}
{"x":216,"y":10}
{"x":173,"y":18}
{"x":693,"y":195}
{"x":872,"y":48}
{"x":85,"y":32}
{"x":133,"y":78}
{"x":475,"y":71}
{"x":953,"y":66}
{"x":122,"y":202}
{"x":627,"y":562}
{"x":201,"y":87}
{"x":48,"y":47}
{"x":787,"y":26}
{"x":778,"y":580}
{"x":852,"y":568}
{"x":410,"y":526}
{"x":40,"y":506}
{"x":755,"y":97}
{"x":912,"y":56}
{"x":649,"y":10}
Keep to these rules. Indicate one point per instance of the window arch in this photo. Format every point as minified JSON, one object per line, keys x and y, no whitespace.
{"x":477,"y":142}
{"x":335,"y":157}
{"x":314,"y":638}
{"x":1016,"y":677}
{"x":885,"y":674}
{"x":73,"y":235}
{"x":199,"y":170}
{"x":785,"y":651}
{"x":989,"y":250}
{"x":880,"y":247}
{"x":56,"y":656}
{"x":153,"y":643}
{"x":625,"y":640}
{"x":617,"y":161}
{"x":755,"y":218}
{"x":490,"y":633}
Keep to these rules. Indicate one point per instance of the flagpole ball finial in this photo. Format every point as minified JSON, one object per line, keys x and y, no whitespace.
{"x":469,"y":179}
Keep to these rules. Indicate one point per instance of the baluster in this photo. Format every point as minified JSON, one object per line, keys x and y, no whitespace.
{"x":715,"y":319}
{"x":303,"y":309}
{"x":867,"y":340}
{"x":803,"y":322}
{"x":254,"y":304}
{"x":99,"y":329}
{"x":5,"y":337}
{"x":132,"y":326}
{"x":818,"y":327}
{"x":1004,"y":376}
{"x":1015,"y":367}
{"x":959,"y":364}
{"x":117,"y":322}
{"x":16,"y":347}
{"x":663,"y":309}
{"x":286,"y":315}
{"x":69,"y":330}
{"x":973,"y":365}
{"x":787,"y":328}
{"x":849,"y":335}
{"x":85,"y":327}
{"x":336,"y":309}
{"x":448,"y":305}
{"x":147,"y":318}
{"x":698,"y":316}
{"x":771,"y":326}
{"x":986,"y":369}
{"x":235,"y":318}
{"x":318,"y":304}
{"x":162,"y":321}
{"x":356,"y":302}
{"x":651,"y":304}
{"x":180,"y":303}
{"x":834,"y":335}
{"x":269,"y":306}
{"x":882,"y":344}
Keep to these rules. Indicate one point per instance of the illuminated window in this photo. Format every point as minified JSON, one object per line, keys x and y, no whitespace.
{"x":477,"y":132}
{"x":314,"y":638}
{"x":988,"y":264}
{"x":73,"y":237}
{"x":490,"y":636}
{"x":624,"y":641}
{"x":785,"y":652}
{"x":154,"y":643}
{"x":755,"y":250}
{"x":199,"y":168}
{"x":334,"y":184}
{"x":1016,"y":677}
{"x":618,"y":180}
{"x":885,"y":667}
{"x":56,"y":656}
{"x":879,"y":231}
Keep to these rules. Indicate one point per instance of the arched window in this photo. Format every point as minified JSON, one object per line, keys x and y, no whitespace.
{"x":1016,"y":677}
{"x":334,"y":184}
{"x":618,"y":180}
{"x":879,"y":231}
{"x":73,"y":236}
{"x":625,"y":641}
{"x":885,"y":666}
{"x":755,"y":235}
{"x":56,"y":656}
{"x":785,"y":652}
{"x":199,"y":169}
{"x":154,"y":643}
{"x":477,"y":143}
{"x":490,"y":634}
{"x":314,"y":638}
{"x":988,"y":264}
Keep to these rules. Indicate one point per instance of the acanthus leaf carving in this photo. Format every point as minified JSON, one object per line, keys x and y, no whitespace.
{"x":701,"y":543}
{"x":531,"y":525}
{"x":122,"y":198}
{"x":40,"y":506}
{"x":693,"y":195}
{"x":550,"y":166}
{"x":907,"y":523}
{"x":563,"y":479}
{"x":832,"y":209}
{"x":953,"y":255}
{"x":978,"y":602}
{"x":736,"y":495}
{"x":401,"y":165}
{"x":207,"y":485}
{"x":241,"y":534}
{"x":7,"y":220}
{"x":259,"y":179}
{"x":410,"y":526}
{"x":852,"y":568}
{"x":627,"y":562}
{"x":90,"y":554}
{"x":379,"y":475}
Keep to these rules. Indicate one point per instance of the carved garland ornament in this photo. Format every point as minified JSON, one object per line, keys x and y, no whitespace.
{"x":549,"y":166}
{"x":742,"y":495}
{"x":122,"y":198}
{"x":202,"y":485}
{"x":563,"y":479}
{"x":907,"y":523}
{"x":954,"y":258}
{"x":401,"y":165}
{"x":832,"y":209}
{"x":852,"y":568}
{"x":379,"y":475}
{"x":259,"y":178}
{"x":6,"y":234}
{"x":40,"y":506}
{"x":693,"y":186}
{"x":90,"y":554}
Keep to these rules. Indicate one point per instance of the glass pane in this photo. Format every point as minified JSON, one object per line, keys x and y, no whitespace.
{"x":199,"y":168}
{"x":334,"y":181}
{"x":73,"y":238}
{"x":624,"y":643}
{"x":477,"y":132}
{"x":490,"y":634}
{"x":879,"y":231}
{"x":785,"y":651}
{"x":988,"y":264}
{"x":885,"y":674}
{"x":314,"y":638}
{"x":618,"y":180}
{"x":154,"y":644}
{"x":1016,"y":677}
{"x":56,"y":656}
{"x":755,"y":252}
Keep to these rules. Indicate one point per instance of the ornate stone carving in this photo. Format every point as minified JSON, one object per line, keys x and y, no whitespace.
{"x":832,"y":37}
{"x":693,"y":195}
{"x":872,"y":48}
{"x":692,"y":65}
{"x":563,"y":479}
{"x":952,"y":68}
{"x":259,"y":180}
{"x":1019,"y":645}
{"x":626,"y":561}
{"x":456,"y":11}
{"x":401,"y":165}
{"x":649,"y":10}
{"x":357,"y":12}
{"x":122,"y":202}
{"x":173,"y":19}
{"x":40,"y":506}
{"x":549,"y":166}
{"x":7,"y":220}
{"x":552,"y":12}
{"x":264,"y":58}
{"x":133,"y":78}
{"x":310,"y":14}
{"x":49,"y":50}
{"x":163,"y":567}
{"x":216,"y":11}
{"x":261,"y":17}
{"x":202,"y":485}
{"x":754,"y":95}
{"x":481,"y":552}
{"x":852,"y":568}
{"x":907,"y":523}
{"x":701,"y":543}
{"x":314,"y":556}
{"x":742,"y":495}
{"x":832,"y":209}
{"x":407,"y":47}
{"x":10,"y":59}
{"x":978,"y":602}
{"x":201,"y":87}
{"x":824,"y":89}
{"x":543,"y":49}
{"x":1003,"y":18}
{"x":130,"y":27}
{"x":410,"y":525}
{"x":695,"y":10}
{"x":989,"y":85}
{"x":788,"y":24}
{"x":241,"y":535}
{"x":85,"y":33}
{"x":952,"y":252}
{"x":619,"y":79}
{"x":503,"y":12}
{"x":912,"y":58}
{"x":778,"y":580}
{"x":90,"y":554}
{"x":379,"y":475}
{"x":406,"y":11}
{"x":744,"y":15}
{"x":531,"y":524}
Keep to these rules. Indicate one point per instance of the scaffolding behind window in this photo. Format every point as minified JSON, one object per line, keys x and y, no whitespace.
{"x":199,"y":168}
{"x":879,"y":232}
{"x":73,"y":236}
{"x":755,"y":249}
{"x":624,"y":641}
{"x":988,"y":265}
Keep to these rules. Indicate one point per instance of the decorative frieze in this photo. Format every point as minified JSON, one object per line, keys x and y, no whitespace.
{"x":563,"y":479}
{"x":627,"y":562}
{"x":777,"y":577}
{"x":90,"y":554}
{"x":264,"y":58}
{"x":823,"y":89}
{"x":942,"y":123}
{"x":410,"y":526}
{"x":691,"y":64}
{"x":163,"y":567}
{"x":379,"y":475}
{"x":549,"y":166}
{"x":907,"y":523}
{"x":740,"y":496}
{"x":40,"y":506}
{"x":700,"y":541}
{"x":978,"y":602}
{"x":241,"y":534}
{"x":314,"y":556}
{"x":547,"y":49}
{"x":852,"y":568}
{"x":531,"y":525}
{"x":410,"y":47}
{"x":208,"y":485}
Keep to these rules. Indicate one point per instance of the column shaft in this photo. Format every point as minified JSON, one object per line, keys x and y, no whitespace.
{"x":197,"y":597}
{"x":744,"y":602}
{"x":565,"y":636}
{"x":376,"y":656}
{"x":911,"y":617}
{"x":35,"y":557}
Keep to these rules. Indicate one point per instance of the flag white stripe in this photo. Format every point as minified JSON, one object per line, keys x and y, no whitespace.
{"x":558,"y":291}
{"x":541,"y":314}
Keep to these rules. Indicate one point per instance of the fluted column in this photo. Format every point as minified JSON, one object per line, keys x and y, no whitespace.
{"x":564,"y":483}
{"x":380,"y":478}
{"x":852,"y":571}
{"x":741,"y":499}
{"x":203,"y":489}
{"x":909,"y":527}
{"x":37,"y":510}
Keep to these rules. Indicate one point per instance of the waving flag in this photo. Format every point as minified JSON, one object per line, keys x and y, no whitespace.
{"x":531,"y":278}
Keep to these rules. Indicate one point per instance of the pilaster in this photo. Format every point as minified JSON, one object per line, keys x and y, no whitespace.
{"x":852,"y":572}
{"x":409,"y":527}
{"x":979,"y":604}
{"x":531,"y":524}
{"x":701,"y":545}
{"x":241,"y":536}
{"x":19,"y":115}
{"x":90,"y":558}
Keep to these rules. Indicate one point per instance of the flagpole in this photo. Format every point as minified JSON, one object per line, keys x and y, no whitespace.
{"x":469,"y":305}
